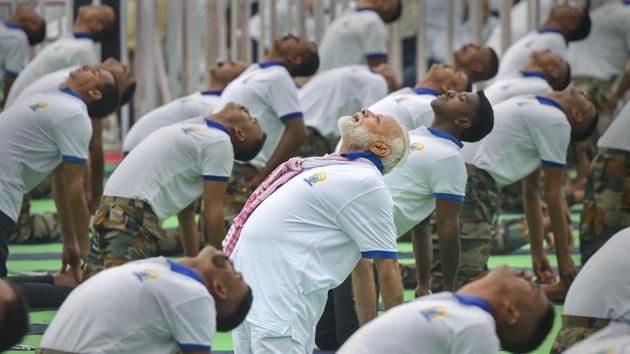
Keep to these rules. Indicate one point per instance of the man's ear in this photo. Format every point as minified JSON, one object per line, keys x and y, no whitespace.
{"x":577,"y":115}
{"x":476,"y":67}
{"x":508,"y":313}
{"x":552,"y":72}
{"x":379,"y":148}
{"x":238,"y":133}
{"x":463,"y":122}
{"x":219,"y":290}
{"x":294,"y":60}
{"x":95,"y":95}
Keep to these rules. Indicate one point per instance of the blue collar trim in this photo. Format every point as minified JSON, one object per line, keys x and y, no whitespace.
{"x":445,"y":135}
{"x":532,"y":73}
{"x":269,"y":64}
{"x":360,"y":9}
{"x":367,"y":155}
{"x":217,"y":125}
{"x":80,"y":35}
{"x":181,"y":269}
{"x":13,"y":26}
{"x":549,"y":102}
{"x":474,"y":301}
{"x":71,"y":92}
{"x":548,"y":30}
{"x":212,"y":92}
{"x":426,"y":91}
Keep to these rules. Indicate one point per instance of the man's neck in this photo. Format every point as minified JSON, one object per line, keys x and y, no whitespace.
{"x":74,"y":89}
{"x":191,"y":263}
{"x":272,"y":57}
{"x":440,"y":124}
{"x":551,"y":24}
{"x":364,"y":4}
{"x":429,"y":84}
{"x":215,"y":86}
{"x":81,"y":28}
{"x":531,"y":67}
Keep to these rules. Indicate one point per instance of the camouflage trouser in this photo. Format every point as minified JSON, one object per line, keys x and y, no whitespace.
{"x":479,"y":225}
{"x":315,"y":145}
{"x":607,"y":200}
{"x":235,"y":196}
{"x":599,"y":92}
{"x":512,"y":198}
{"x":122,"y":230}
{"x":575,"y":329}
{"x":35,"y":228}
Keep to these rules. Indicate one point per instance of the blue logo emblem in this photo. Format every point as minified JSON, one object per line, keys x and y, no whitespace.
{"x":433,"y":312}
{"x":315,"y":178}
{"x":36,"y":107}
{"x":416,"y":146}
{"x":147,"y":274}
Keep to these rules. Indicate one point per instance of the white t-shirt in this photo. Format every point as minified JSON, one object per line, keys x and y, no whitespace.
{"x":434,"y":169}
{"x":270,"y":94}
{"x":353,"y":38}
{"x":60,"y":54}
{"x":44,"y":83}
{"x":36,"y":135}
{"x":198,"y":104}
{"x":434,"y":324}
{"x":601,"y":288}
{"x":518,"y":54}
{"x":604,"y":53}
{"x":526,"y":83}
{"x":339,"y":92}
{"x":410,"y":107}
{"x":528,"y":131}
{"x":13,"y":49}
{"x":147,"y":306}
{"x":616,"y":135}
{"x":306,"y":238}
{"x":168,"y":168}
{"x":613,"y":339}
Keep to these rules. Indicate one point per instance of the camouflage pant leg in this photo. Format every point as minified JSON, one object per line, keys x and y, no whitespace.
{"x":510,"y":236}
{"x":479,"y":219}
{"x":599,"y":92}
{"x":575,"y":329}
{"x":120,"y":234}
{"x":607,"y":200}
{"x":36,"y":228}
{"x":512,"y":198}
{"x":235,"y":197}
{"x":315,"y":145}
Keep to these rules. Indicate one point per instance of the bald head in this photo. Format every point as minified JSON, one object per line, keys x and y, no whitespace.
{"x":98,"y":20}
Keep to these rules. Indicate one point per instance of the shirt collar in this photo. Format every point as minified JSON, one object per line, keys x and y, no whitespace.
{"x":13,"y":26}
{"x":81,"y":35}
{"x":549,"y":102}
{"x":360,"y":9}
{"x":269,"y":64}
{"x":71,"y":92}
{"x":217,"y":125}
{"x":212,"y":92}
{"x":474,"y":301}
{"x":548,"y":30}
{"x":445,"y":135}
{"x":532,"y":73}
{"x":426,"y":91}
{"x":182,"y":269}
{"x":366,"y":155}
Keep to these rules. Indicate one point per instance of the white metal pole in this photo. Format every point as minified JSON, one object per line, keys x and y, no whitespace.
{"x":124,"y":59}
{"x":262,"y":34}
{"x":234,"y":7}
{"x":395,"y":49}
{"x":450,"y":30}
{"x":246,"y":44}
{"x":476,"y":19}
{"x":69,"y":16}
{"x":332,"y":8}
{"x":533,"y":14}
{"x":319,"y":19}
{"x":505,"y":13}
{"x":289,"y":16}
{"x":14,"y":5}
{"x":421,"y":39}
{"x":301,"y":12}
{"x":223,"y":29}
{"x":273,"y":20}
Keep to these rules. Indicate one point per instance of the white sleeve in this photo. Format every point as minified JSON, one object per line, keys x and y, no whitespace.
{"x":374,"y":93}
{"x":448,"y":179}
{"x":16,"y":58}
{"x":216,"y":161}
{"x":475,"y":340}
{"x":73,"y":136}
{"x":193,"y":324}
{"x":552,"y":142}
{"x":375,"y":234}
{"x":284,"y":98}
{"x":375,"y":41}
{"x":84,"y":57}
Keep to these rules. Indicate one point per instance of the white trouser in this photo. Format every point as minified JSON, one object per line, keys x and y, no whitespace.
{"x":251,"y":339}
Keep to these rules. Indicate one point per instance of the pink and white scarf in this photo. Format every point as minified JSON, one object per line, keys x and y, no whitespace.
{"x":281,"y":175}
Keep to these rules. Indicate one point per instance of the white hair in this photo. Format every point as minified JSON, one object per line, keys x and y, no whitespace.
{"x":358,"y":137}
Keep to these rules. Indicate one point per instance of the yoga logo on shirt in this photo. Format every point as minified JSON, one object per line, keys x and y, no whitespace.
{"x":315,"y":178}
{"x":433,"y":312}
{"x":36,"y":107}
{"x":147,"y":274}
{"x":416,"y":146}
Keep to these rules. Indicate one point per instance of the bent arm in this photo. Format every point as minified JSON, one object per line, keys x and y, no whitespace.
{"x":390,"y":282}
{"x":97,"y":165}
{"x":364,"y":289}
{"x":213,"y":195}
{"x":423,"y":252}
{"x":70,"y":202}
{"x":447,"y":212}
{"x":188,"y":230}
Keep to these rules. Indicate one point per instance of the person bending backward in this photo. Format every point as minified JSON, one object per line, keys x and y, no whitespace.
{"x":151,"y":306}
{"x":359,"y":36}
{"x":477,"y":62}
{"x":503,"y":310}
{"x":340,"y":92}
{"x":143,"y":190}
{"x":565,"y":23}
{"x":13,"y":315}
{"x":411,"y":107}
{"x":543,"y":73}
{"x":50,"y":132}
{"x":199,"y":103}
{"x":599,"y":294}
{"x":306,"y":227}
{"x":94,"y":23}
{"x":530,"y":133}
{"x":22,"y":29}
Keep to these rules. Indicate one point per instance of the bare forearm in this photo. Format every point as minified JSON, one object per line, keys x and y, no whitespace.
{"x":423,"y":252}
{"x":558,"y":224}
{"x":364,"y":288}
{"x":390,"y":281}
{"x":188,"y":231}
{"x":215,"y":220}
{"x":67,"y":227}
{"x":290,"y":141}
{"x":534,"y":217}
{"x":80,"y":216}
{"x":98,"y":173}
{"x":448,"y":240}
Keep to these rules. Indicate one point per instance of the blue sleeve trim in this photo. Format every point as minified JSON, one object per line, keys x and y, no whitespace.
{"x":194,"y":347}
{"x":292,"y":116}
{"x":10,"y":73}
{"x":376,"y":56}
{"x":380,"y":254}
{"x":73,"y":159}
{"x":216,"y":178}
{"x":446,"y":196}
{"x":552,"y":164}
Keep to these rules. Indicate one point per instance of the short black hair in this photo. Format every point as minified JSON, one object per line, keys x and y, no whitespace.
{"x":39,"y":35}
{"x":108,"y":31}
{"x":583,"y":28}
{"x":494,"y":66}
{"x":564,"y":82}
{"x":227,"y":324}
{"x":110,"y":98}
{"x":482,"y":122}
{"x":246,"y":153}
{"x":541,"y":332}
{"x":127,"y":94}
{"x":309,"y":66}
{"x":14,"y":321}
{"x":578,"y":135}
{"x":393,"y":16}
